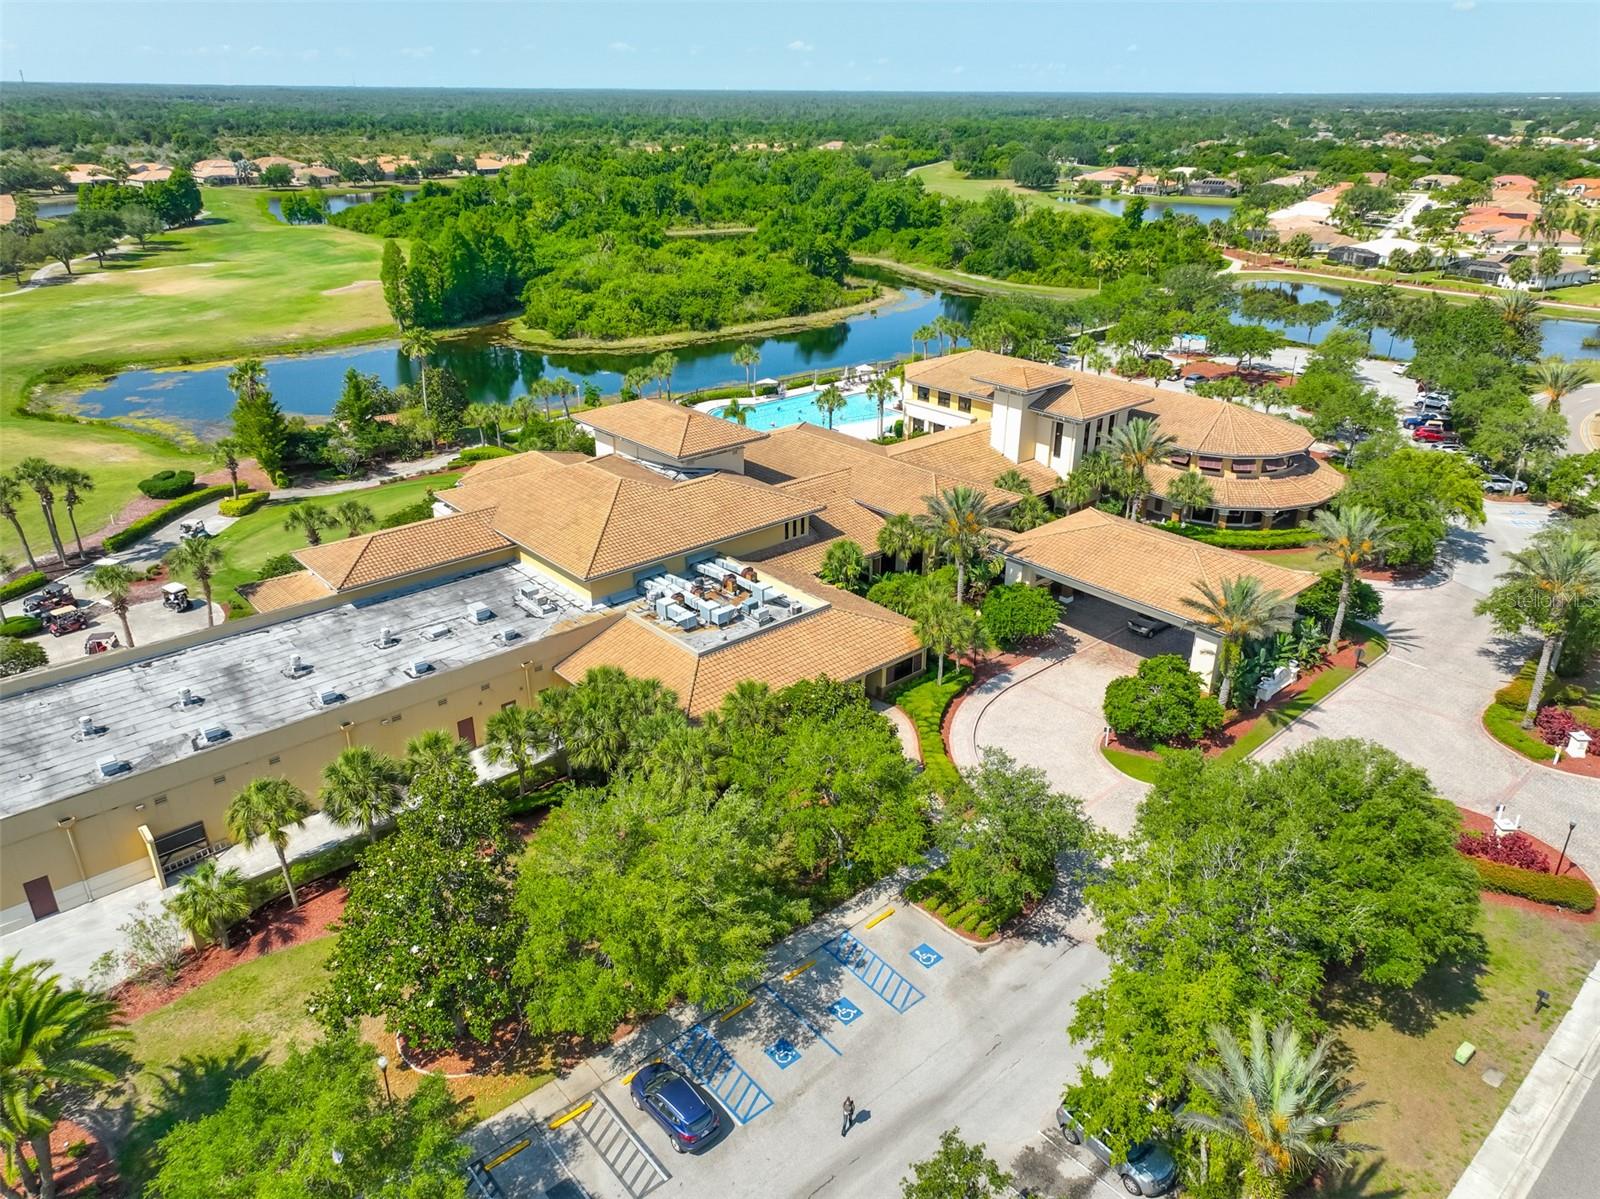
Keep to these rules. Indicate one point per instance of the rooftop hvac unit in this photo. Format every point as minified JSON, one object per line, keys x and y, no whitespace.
{"x":722,"y":615}
{"x":681,"y":617}
{"x":418,"y":667}
{"x":763,"y":617}
{"x":435,"y":632}
{"x":507,"y":636}
{"x":213,"y":734}
{"x":111,"y":766}
{"x":185,"y":697}
{"x":479,"y":613}
{"x":778,"y":601}
{"x":328,"y":698}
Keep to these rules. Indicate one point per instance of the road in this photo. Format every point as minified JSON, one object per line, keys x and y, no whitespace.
{"x":1582,"y":410}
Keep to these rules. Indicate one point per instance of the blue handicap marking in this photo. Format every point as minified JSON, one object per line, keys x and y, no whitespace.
{"x":783,"y":1052}
{"x":927,"y":956}
{"x":882,"y":979}
{"x":711,"y":1065}
{"x":845,"y":1011}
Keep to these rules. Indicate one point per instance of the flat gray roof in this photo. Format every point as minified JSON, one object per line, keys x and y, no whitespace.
{"x":242,"y":683}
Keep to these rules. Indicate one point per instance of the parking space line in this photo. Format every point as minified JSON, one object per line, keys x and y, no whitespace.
{"x":882,"y":979}
{"x":711,"y":1065}
{"x":800,"y":1016}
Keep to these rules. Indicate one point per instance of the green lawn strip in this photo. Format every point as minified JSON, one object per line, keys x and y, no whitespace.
{"x":1503,"y":717}
{"x":945,"y":180}
{"x":961,"y":281}
{"x":1135,"y":766}
{"x":1504,"y":723}
{"x":926,"y":700}
{"x":1433,"y":1114}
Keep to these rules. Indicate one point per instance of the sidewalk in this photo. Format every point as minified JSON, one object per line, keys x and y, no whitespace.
{"x":1539,"y":1131}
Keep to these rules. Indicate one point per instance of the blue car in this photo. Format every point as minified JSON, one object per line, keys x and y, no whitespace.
{"x":673,"y":1101}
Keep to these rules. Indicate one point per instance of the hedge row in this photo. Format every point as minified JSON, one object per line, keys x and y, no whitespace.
{"x":925,"y":701}
{"x":123,"y":538}
{"x":1247,"y":539}
{"x":245,"y":504}
{"x":973,"y":917}
{"x":1562,"y":891}
{"x":478,"y":453}
{"x":167,"y":484}
{"x":21,"y":626}
{"x":22,"y":584}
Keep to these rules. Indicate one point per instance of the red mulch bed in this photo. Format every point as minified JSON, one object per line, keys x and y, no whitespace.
{"x":1243,"y":722}
{"x":276,"y":926}
{"x":1478,"y":822}
{"x":466,"y":1056}
{"x":94,"y":1173}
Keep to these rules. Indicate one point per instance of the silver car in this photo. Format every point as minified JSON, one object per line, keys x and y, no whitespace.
{"x":1148,"y":1168}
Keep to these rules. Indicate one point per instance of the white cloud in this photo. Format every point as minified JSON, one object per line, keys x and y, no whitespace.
{"x":882,"y":62}
{"x":801,"y":47}
{"x":416,"y":51}
{"x":621,"y":47}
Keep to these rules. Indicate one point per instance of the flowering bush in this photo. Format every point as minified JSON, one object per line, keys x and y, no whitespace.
{"x":1554,"y":724}
{"x":1513,"y":849}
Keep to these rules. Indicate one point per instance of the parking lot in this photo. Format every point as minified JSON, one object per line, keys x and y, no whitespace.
{"x":923,"y":1030}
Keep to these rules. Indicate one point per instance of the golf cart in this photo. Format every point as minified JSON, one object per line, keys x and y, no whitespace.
{"x":68,"y":618}
{"x":99,"y":643}
{"x":188,"y":530}
{"x":52,"y":597}
{"x":175,"y":596}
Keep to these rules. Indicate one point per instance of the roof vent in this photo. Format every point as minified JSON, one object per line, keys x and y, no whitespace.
{"x":326,"y":699}
{"x":507,"y":636}
{"x":88,"y":728}
{"x":418,"y":667}
{"x":111,"y":766}
{"x":386,"y":638}
{"x":186,"y":698}
{"x":212,"y":734}
{"x":435,"y":632}
{"x":297,"y":667}
{"x":479,"y":612}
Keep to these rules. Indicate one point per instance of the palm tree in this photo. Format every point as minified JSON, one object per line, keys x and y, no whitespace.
{"x":116,"y":584}
{"x":843,"y":565}
{"x":1281,"y":1104}
{"x":55,"y":1041}
{"x":564,"y":389}
{"x":1564,"y":572}
{"x":1238,"y":610}
{"x":42,"y":476}
{"x":6,"y":567}
{"x":750,"y":707}
{"x":830,"y":400}
{"x":75,"y":484}
{"x":746,"y":357}
{"x":362,"y":786}
{"x":1556,"y":380}
{"x":355,"y":516}
{"x":1188,"y":492}
{"x":661,"y":368}
{"x":957,"y":524}
{"x":309,"y":519}
{"x":1351,"y":537}
{"x":636,"y":380}
{"x":899,"y":538}
{"x":945,"y":625}
{"x":921,"y":336}
{"x":264,"y":810}
{"x":226,"y":455}
{"x":1099,"y":362}
{"x":1075,"y":491}
{"x":518,"y":737}
{"x":479,"y":416}
{"x":199,"y":558}
{"x":10,"y":493}
{"x":1135,"y":446}
{"x":246,"y":379}
{"x":436,"y":754}
{"x":419,"y":343}
{"x":880,"y":391}
{"x":738,"y":413}
{"x":1083,"y":347}
{"x":208,"y":901}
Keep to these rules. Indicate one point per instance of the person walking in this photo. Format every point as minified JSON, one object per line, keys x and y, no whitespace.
{"x":849,"y":1115}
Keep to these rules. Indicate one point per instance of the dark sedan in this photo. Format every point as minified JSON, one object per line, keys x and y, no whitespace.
{"x":672,"y":1100}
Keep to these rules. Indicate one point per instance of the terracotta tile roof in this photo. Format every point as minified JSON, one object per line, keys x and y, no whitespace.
{"x":8,"y":209}
{"x":976,"y":373}
{"x":846,"y":640}
{"x":1086,"y":396}
{"x":390,"y":553}
{"x":1216,"y":427}
{"x":1311,"y":484}
{"x":966,"y":453}
{"x":611,"y":518}
{"x":151,"y":175}
{"x":274,"y":160}
{"x":1153,"y":571}
{"x":843,"y":516}
{"x":1330,"y":195}
{"x":668,"y":428}
{"x":286,"y":591}
{"x":1515,"y":183}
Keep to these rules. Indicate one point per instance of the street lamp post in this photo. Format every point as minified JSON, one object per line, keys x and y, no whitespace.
{"x":1571,"y":824}
{"x":383,"y":1065}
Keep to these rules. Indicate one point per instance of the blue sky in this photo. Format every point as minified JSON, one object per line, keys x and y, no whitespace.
{"x":917,"y":45}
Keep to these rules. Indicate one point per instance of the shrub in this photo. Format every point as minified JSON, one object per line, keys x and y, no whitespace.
{"x":18,"y":656}
{"x":925,"y":701}
{"x":1162,"y":702}
{"x":1247,"y":539}
{"x":245,"y":504}
{"x":167,"y":484}
{"x":23,"y":584}
{"x":898,"y":590}
{"x":278,"y":564}
{"x":1553,"y":724}
{"x":1320,"y":601}
{"x":421,"y":510}
{"x":1563,"y":892}
{"x":123,"y":538}
{"x":480,"y":453}
{"x":21,"y":626}
{"x":1015,"y":613}
{"x":1513,"y":849}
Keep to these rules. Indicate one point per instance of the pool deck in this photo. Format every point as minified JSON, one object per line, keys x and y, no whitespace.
{"x":866,"y":430}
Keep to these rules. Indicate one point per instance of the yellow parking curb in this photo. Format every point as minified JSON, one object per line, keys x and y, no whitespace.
{"x":799,"y":970}
{"x":507,"y":1155}
{"x":572,"y":1115}
{"x":734,"y":1011}
{"x":880,"y":917}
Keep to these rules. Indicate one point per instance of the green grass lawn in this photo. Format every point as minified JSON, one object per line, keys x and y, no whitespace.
{"x":944,"y":179}
{"x":1434,"y":1114}
{"x":926,"y":700}
{"x":237,"y":283}
{"x":251,"y":540}
{"x":984,"y":284}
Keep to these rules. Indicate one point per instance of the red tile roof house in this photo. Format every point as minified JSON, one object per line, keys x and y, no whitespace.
{"x":215,"y":172}
{"x":1583,"y":189}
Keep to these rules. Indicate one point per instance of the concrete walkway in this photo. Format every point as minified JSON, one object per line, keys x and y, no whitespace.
{"x":910,"y":741}
{"x":1546,"y":1144}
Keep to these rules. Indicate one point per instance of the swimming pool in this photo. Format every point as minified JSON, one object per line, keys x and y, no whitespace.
{"x":801,"y":406}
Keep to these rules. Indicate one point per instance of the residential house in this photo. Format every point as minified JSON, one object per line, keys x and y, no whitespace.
{"x":1211,"y":185}
{"x":1585,"y":189}
{"x":1155,"y":185}
{"x":82,"y":174}
{"x":1110,"y":176}
{"x":1435,"y":182}
{"x":215,"y":172}
{"x":1506,"y":186}
{"x":278,"y":160}
{"x":317,"y":176}
{"x":148,"y":175}
{"x":1374,"y":252}
{"x":1497,"y":273}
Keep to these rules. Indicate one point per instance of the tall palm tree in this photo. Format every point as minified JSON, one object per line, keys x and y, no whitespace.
{"x":1352,"y":537}
{"x":957,"y":524}
{"x":564,"y":389}
{"x":738,"y":413}
{"x":661,"y":368}
{"x":55,"y":1040}
{"x":1083,"y":347}
{"x":310,"y":520}
{"x":880,"y":391}
{"x":75,"y":484}
{"x":208,"y":901}
{"x":263,"y":811}
{"x":116,"y":584}
{"x":199,"y":558}
{"x":1098,"y":361}
{"x":355,"y":516}
{"x":1238,"y":610}
{"x":899,"y":538}
{"x":518,"y":737}
{"x":636,"y":380}
{"x":1555,"y":378}
{"x":830,"y":400}
{"x":479,"y":416}
{"x":6,"y":567}
{"x":436,"y":754}
{"x":247,"y":379}
{"x":419,"y":343}
{"x":1564,"y":571}
{"x":10,"y":493}
{"x":1134,"y":447}
{"x":1280,"y":1103}
{"x":746,"y":357}
{"x":750,"y":707}
{"x":362,"y":786}
{"x":921,"y":336}
{"x":1188,"y":492}
{"x":42,"y":477}
{"x":225,"y":453}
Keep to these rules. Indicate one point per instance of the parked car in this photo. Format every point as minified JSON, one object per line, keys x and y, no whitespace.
{"x":1429,"y":433}
{"x":1503,"y":485}
{"x":1416,"y":419}
{"x":674,"y":1101}
{"x":1148,"y":1168}
{"x":54,"y":596}
{"x":64,"y":620}
{"x":1401,"y":368}
{"x":1146,"y":626}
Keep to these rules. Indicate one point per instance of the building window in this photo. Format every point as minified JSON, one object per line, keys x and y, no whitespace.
{"x":922,"y":393}
{"x":1055,"y":440}
{"x":274,"y":760}
{"x":944,"y":399}
{"x":510,"y":703}
{"x":1245,"y":468}
{"x":219,"y":779}
{"x":963,"y":404}
{"x":1211,"y":466}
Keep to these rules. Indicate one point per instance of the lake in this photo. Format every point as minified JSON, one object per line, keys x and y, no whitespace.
{"x":1204,"y":213}
{"x":309,"y":384}
{"x":339,"y":203}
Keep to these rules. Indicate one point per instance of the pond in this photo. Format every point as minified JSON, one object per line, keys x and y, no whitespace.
{"x":339,"y":203}
{"x":309,"y":384}
{"x":1204,"y":213}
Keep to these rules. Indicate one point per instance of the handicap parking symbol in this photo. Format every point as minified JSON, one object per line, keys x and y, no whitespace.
{"x":927,"y":956}
{"x":783,"y":1052}
{"x":845,"y":1011}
